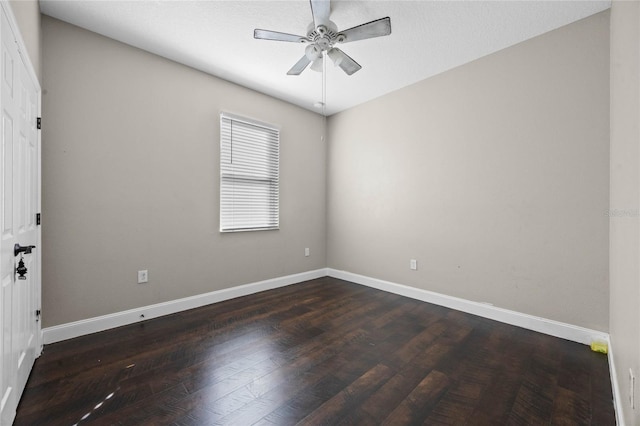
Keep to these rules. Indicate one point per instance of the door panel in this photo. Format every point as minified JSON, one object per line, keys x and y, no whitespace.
{"x":19,"y":298}
{"x":24,"y":306}
{"x":7,"y":105}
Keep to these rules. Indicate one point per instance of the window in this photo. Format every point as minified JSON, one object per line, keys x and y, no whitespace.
{"x":249,"y":169}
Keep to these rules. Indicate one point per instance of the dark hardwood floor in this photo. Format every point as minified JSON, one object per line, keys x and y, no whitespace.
{"x":321,"y":352}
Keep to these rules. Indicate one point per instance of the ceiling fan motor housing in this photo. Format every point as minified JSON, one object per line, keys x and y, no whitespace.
{"x":324,"y":35}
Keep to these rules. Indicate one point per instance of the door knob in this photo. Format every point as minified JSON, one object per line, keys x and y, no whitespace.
{"x":17,"y":249}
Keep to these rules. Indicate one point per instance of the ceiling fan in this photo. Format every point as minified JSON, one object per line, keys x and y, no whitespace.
{"x":323,"y":35}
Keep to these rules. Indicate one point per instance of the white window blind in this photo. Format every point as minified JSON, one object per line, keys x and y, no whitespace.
{"x":249,"y":170}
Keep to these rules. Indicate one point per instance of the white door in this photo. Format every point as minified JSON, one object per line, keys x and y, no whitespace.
{"x":20,"y":341}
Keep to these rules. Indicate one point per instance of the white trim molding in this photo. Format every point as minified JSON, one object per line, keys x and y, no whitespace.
{"x":530,"y":322}
{"x":92,"y":325}
{"x":617,"y":398}
{"x":542,"y":325}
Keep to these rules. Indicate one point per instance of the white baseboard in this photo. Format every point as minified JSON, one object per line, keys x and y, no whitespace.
{"x":530,"y":322}
{"x":542,"y":325}
{"x":92,"y":325}
{"x":117,"y":319}
{"x":617,"y":398}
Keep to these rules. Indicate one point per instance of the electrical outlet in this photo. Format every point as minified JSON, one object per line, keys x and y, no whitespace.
{"x":307,"y":253}
{"x":413,"y":265}
{"x":632,"y":386}
{"x":143,"y":276}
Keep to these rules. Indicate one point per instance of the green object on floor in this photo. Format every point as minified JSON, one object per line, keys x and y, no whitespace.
{"x":600,"y":347}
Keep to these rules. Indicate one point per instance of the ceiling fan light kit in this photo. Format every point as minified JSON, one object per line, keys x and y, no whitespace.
{"x":323,"y":35}
{"x":317,"y":65}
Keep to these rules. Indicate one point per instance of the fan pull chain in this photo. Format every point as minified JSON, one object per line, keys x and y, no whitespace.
{"x":324,"y":96}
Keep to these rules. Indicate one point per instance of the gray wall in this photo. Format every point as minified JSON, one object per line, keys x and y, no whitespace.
{"x":494,"y":176}
{"x":625,"y":192}
{"x":131,"y":180}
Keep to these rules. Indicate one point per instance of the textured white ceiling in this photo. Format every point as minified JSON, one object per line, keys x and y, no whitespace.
{"x":428,"y":37}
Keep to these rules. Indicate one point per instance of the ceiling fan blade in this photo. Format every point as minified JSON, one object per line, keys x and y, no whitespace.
{"x":343,"y":61}
{"x":377,"y":28}
{"x":320,"y":9}
{"x":299,"y":66}
{"x":274,"y":35}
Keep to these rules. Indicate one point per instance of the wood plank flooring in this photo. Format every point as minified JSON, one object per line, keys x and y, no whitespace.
{"x":321,"y":352}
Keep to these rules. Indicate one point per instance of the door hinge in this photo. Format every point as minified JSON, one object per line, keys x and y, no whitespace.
{"x":37,"y":218}
{"x":38,"y":312}
{"x":39,"y":123}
